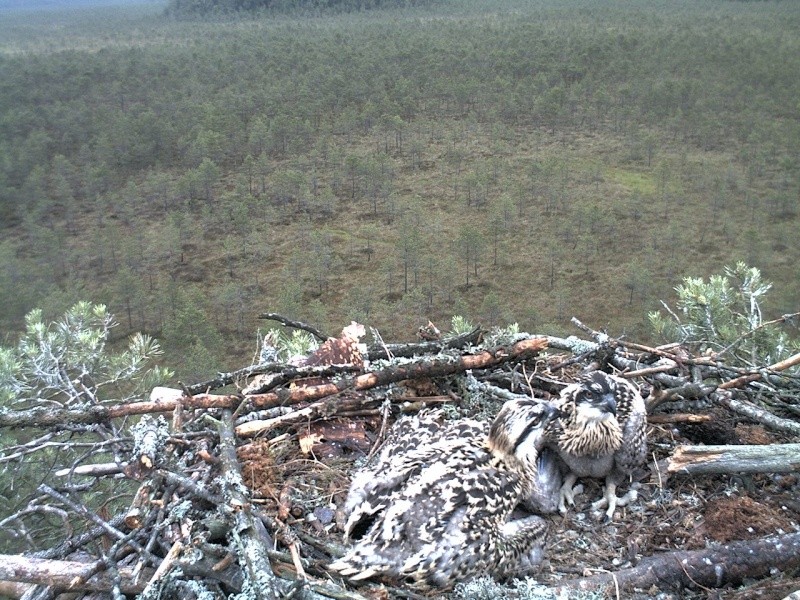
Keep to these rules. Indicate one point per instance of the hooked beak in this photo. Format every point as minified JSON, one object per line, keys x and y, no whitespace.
{"x":551,"y":413}
{"x":609,"y":403}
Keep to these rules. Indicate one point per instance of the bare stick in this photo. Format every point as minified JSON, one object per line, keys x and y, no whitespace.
{"x":662,"y":419}
{"x":425,"y":367}
{"x":89,"y":515}
{"x":388,"y":351}
{"x":166,"y":564}
{"x":248,"y":533}
{"x":745,"y":379}
{"x":294,"y":325}
{"x":759,"y":415}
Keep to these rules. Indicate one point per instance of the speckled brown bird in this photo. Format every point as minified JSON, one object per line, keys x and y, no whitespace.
{"x":434,"y":509}
{"x":601,"y":433}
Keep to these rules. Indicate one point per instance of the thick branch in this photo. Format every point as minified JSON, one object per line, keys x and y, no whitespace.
{"x":424,"y":367}
{"x":66,"y":574}
{"x":324,"y":408}
{"x":712,"y":567}
{"x":249,"y":536}
{"x":759,"y":415}
{"x":772,"y":458}
{"x":745,"y":379}
{"x":49,"y":417}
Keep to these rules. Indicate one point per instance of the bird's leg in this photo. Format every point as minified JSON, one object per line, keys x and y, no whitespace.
{"x":567,"y":493}
{"x":611,"y":500}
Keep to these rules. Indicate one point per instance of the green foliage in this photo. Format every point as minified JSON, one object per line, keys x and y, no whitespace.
{"x":281,"y":346}
{"x":67,"y":362}
{"x":460,"y":325}
{"x":189,"y":8}
{"x":191,"y":340}
{"x":724,"y":314}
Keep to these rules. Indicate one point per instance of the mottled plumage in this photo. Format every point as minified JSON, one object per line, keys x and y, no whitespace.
{"x":601,"y":433}
{"x":434,"y":508}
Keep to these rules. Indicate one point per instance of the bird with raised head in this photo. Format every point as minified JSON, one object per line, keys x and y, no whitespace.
{"x":434,"y":509}
{"x":601,"y":432}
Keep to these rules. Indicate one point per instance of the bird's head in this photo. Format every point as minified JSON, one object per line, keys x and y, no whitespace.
{"x":594,"y":397}
{"x":518,"y":430}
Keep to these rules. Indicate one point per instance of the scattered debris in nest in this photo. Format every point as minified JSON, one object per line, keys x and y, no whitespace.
{"x":241,"y":494}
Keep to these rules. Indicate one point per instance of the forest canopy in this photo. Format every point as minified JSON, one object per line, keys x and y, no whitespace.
{"x":507,"y":161}
{"x":190,"y":8}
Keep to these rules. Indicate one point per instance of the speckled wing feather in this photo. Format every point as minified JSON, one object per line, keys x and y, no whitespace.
{"x":452,"y":531}
{"x":414,"y":442}
{"x":435,"y":506}
{"x":632,"y":417}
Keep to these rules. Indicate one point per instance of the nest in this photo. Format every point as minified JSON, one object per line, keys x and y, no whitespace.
{"x":240,"y":494}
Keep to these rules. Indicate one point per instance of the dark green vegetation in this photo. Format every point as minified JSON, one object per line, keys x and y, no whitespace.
{"x":522,"y":161}
{"x":206,"y":8}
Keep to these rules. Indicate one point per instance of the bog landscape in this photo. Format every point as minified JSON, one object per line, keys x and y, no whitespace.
{"x":197,"y":199}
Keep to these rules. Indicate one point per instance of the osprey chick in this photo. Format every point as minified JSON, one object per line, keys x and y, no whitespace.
{"x":434,"y":510}
{"x":601,"y":433}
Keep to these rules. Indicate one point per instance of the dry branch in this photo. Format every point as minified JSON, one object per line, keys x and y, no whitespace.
{"x":66,"y":574}
{"x":712,"y":567}
{"x":677,"y":418}
{"x":757,"y":414}
{"x":294,"y":325}
{"x":420,"y":368}
{"x":249,"y":536}
{"x":777,"y":367}
{"x":49,"y":417}
{"x":386,"y":351}
{"x":772,"y":458}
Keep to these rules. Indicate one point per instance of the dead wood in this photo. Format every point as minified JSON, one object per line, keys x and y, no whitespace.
{"x":248,"y":533}
{"x":713,"y":567}
{"x":775,"y":368}
{"x":772,"y":458}
{"x":51,"y":417}
{"x":757,"y":414}
{"x":420,"y":368}
{"x":65,"y":574}
{"x":98,"y":470}
{"x":294,"y":325}
{"x":388,"y":351}
{"x":677,"y":418}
